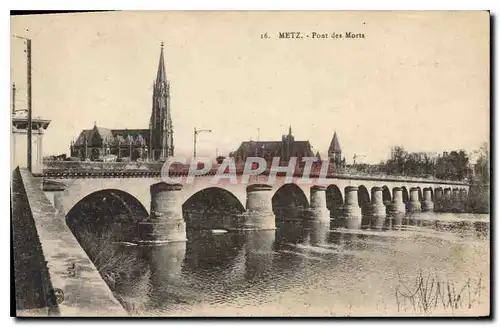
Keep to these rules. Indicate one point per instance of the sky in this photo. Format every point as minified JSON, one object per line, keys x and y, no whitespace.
{"x":419,"y":80}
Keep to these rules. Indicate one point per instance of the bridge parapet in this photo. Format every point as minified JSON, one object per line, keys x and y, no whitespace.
{"x":98,"y":166}
{"x":58,"y":267}
{"x":80,"y":169}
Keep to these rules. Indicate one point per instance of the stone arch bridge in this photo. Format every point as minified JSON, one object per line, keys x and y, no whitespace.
{"x":163,"y":209}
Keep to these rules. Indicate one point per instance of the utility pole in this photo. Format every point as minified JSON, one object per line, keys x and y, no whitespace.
{"x":13,"y":98}
{"x":28,"y":52}
{"x":196,"y":132}
{"x":29,"y":127}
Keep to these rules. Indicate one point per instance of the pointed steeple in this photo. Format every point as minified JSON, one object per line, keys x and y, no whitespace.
{"x":161,"y":131}
{"x":334,"y":145}
{"x":161,"y":75}
{"x":290,"y":130}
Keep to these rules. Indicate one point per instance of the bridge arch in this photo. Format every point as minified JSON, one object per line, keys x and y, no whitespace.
{"x":109,"y":212}
{"x":289,"y":201}
{"x":211,"y":208}
{"x":334,"y":198}
{"x":406,"y":196}
{"x":77,"y":189}
{"x":363,"y":196}
{"x":432,"y":193}
{"x":420,"y":194}
{"x":386,"y":195}
{"x":437,"y":189}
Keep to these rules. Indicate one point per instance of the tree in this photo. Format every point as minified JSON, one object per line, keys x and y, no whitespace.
{"x":396,"y":164}
{"x":448,"y":166}
{"x":453,"y":166}
{"x":482,"y":167}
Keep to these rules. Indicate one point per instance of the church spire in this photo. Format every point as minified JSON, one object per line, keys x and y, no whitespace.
{"x":335,"y":145}
{"x":161,"y":131}
{"x":161,"y":75}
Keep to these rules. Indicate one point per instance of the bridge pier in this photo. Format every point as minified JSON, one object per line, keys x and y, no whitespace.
{"x":165,"y":223}
{"x":447,"y":200}
{"x":457,"y":203}
{"x":427,"y":204}
{"x":397,"y":209}
{"x":463,"y":199}
{"x":319,"y":211}
{"x":351,"y":212}
{"x":259,"y":212}
{"x":438,"y":199}
{"x":377,"y":209}
{"x":414,"y":204}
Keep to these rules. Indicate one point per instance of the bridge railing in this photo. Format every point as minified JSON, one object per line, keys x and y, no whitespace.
{"x":69,"y":168}
{"x":93,"y":165}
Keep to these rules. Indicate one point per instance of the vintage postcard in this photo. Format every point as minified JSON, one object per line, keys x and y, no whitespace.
{"x":289,"y":164}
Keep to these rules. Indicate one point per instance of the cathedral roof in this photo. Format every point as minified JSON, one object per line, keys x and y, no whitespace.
{"x":334,"y":145}
{"x":258,"y":148}
{"x":113,"y":136}
{"x":267,"y":145}
{"x":104,"y":133}
{"x":302,"y":148}
{"x":84,"y":135}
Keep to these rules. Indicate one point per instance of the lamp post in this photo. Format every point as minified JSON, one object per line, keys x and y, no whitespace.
{"x":196,"y":132}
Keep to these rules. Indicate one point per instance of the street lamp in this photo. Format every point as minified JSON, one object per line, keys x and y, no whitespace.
{"x":196,"y":132}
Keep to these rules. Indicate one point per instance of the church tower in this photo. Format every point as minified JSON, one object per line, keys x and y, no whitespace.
{"x":160,"y":124}
{"x":287,"y":146}
{"x":334,"y":151}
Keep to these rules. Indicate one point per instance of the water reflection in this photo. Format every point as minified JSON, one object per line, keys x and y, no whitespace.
{"x":211,"y":252}
{"x":319,"y":233}
{"x":258,"y":254}
{"x":166,"y":262}
{"x":308,"y":260}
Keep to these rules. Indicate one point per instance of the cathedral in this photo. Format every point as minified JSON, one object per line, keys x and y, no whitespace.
{"x":155,"y":143}
{"x":286,"y":148}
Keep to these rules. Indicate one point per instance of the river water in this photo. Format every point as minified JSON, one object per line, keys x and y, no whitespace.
{"x":313,"y":271}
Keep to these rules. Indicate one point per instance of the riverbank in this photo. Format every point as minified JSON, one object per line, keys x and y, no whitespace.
{"x":479,"y":198}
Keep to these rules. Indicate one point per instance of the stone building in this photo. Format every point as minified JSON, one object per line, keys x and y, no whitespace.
{"x":284,"y":149}
{"x":153,"y":143}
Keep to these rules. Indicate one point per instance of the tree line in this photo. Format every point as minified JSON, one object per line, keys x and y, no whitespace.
{"x":453,"y":165}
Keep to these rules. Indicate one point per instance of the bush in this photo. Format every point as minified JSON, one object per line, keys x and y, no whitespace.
{"x":127,"y":276}
{"x":430,"y":292}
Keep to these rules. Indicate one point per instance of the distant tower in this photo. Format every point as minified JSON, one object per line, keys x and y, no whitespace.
{"x":160,"y":125}
{"x":335,"y":152}
{"x":287,"y":145}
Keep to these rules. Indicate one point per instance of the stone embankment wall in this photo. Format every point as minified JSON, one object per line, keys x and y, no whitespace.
{"x":53,"y":275}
